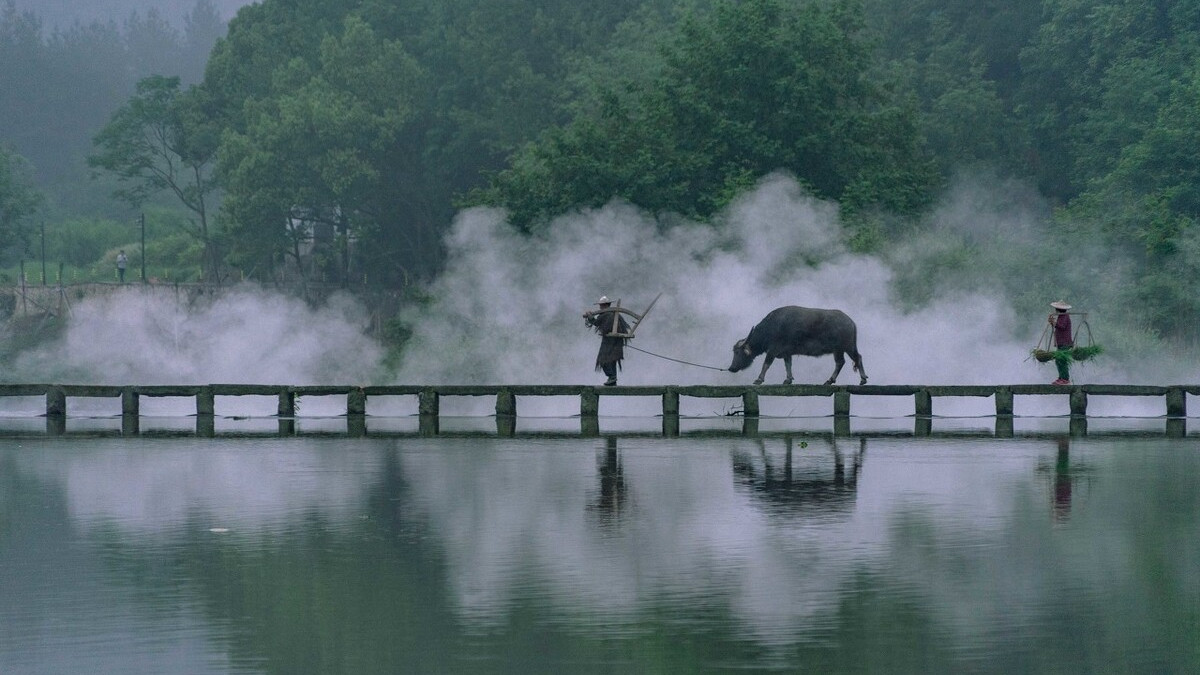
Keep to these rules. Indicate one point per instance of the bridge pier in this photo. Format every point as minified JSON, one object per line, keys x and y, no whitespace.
{"x":206,"y":401}
{"x":750,"y":403}
{"x":589,"y":403}
{"x":1004,"y":402}
{"x":287,"y":403}
{"x":670,"y":412}
{"x":56,"y":402}
{"x":428,"y":400}
{"x":356,"y":402}
{"x":841,"y":403}
{"x":923,"y":403}
{"x":506,"y":404}
{"x":1176,"y":402}
{"x":1078,"y":402}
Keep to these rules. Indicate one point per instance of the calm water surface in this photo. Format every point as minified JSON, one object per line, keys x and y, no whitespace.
{"x":620,"y":553}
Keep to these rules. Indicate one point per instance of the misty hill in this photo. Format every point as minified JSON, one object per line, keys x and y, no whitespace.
{"x":65,"y":13}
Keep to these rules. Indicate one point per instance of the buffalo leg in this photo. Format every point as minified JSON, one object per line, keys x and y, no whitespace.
{"x":858,"y":365}
{"x":766,"y":364}
{"x":787,"y":363}
{"x":839,"y":360}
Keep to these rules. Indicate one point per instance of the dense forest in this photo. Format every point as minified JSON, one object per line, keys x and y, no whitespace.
{"x":375,"y":121}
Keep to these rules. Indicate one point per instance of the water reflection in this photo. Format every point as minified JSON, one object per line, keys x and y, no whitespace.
{"x":1064,"y":477}
{"x":1062,"y":480}
{"x":611,"y":496}
{"x":804,"y":486}
{"x":784,"y":552}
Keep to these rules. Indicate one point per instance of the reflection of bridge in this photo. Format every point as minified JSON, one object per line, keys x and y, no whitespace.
{"x":429,"y":396}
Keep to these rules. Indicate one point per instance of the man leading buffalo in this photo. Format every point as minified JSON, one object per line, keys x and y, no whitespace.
{"x":612,"y":342}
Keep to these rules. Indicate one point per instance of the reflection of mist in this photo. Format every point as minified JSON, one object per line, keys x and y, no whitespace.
{"x":954,"y":530}
{"x":149,"y":487}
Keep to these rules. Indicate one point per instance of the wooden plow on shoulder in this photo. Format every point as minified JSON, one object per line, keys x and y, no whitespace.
{"x":637,"y":318}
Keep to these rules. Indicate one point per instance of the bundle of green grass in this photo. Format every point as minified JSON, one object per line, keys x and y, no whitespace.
{"x":1076,"y":353}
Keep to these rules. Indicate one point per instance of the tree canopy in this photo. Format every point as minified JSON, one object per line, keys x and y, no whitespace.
{"x":18,"y":200}
{"x":380,"y":118}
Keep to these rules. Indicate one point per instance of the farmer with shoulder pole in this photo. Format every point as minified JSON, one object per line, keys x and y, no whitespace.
{"x":1062,"y":341}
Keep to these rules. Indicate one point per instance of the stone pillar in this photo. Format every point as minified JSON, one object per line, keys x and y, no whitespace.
{"x":1078,"y":426}
{"x":427,"y":425}
{"x":670,"y":425}
{"x":589,"y":426}
{"x":750,"y":403}
{"x":670,"y":402}
{"x":287,"y":403}
{"x":1004,"y":402}
{"x":1176,"y":402}
{"x":56,"y":402}
{"x":506,"y":404}
{"x":841,"y":403}
{"x":427,"y":409}
{"x":924,"y":403}
{"x":506,"y":425}
{"x":841,"y":425}
{"x":356,"y":402}
{"x":56,"y":425}
{"x":1004,"y":426}
{"x":130,"y":405}
{"x":670,"y":412}
{"x":750,"y":426}
{"x":1176,"y":427}
{"x":1078,"y":402}
{"x":922,"y":425}
{"x":589,"y":403}
{"x":427,"y":403}
{"x":206,"y":426}
{"x":287,"y":427}
{"x":206,"y":402}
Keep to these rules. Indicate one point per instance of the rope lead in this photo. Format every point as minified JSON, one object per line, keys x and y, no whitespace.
{"x":686,"y":363}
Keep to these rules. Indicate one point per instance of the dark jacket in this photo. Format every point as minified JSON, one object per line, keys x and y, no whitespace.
{"x":612,"y":349}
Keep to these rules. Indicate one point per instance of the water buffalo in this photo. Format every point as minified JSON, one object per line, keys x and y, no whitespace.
{"x":800,"y":330}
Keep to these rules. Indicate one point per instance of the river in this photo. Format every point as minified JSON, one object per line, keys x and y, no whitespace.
{"x":383,"y":550}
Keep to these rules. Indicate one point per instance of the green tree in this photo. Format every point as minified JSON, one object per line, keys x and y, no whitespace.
{"x":18,"y":201}
{"x":158,"y":142}
{"x":321,"y":148}
{"x":750,"y":88}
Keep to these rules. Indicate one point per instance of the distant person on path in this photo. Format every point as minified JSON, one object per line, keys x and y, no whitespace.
{"x":612,"y":348}
{"x":1062,"y":340}
{"x":122,"y":261}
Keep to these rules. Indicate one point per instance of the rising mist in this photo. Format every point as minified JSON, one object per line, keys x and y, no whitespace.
{"x":507,"y":309}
